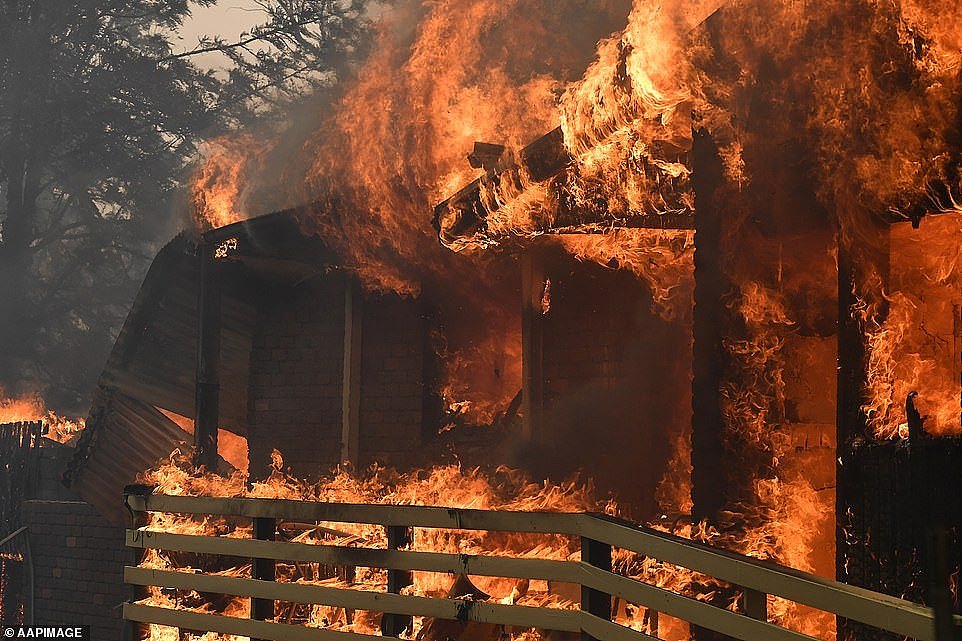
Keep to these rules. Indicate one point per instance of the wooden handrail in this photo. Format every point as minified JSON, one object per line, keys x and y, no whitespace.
{"x":661,"y":600}
{"x":757,"y":578}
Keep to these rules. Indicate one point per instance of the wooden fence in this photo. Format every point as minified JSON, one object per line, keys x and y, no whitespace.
{"x":19,"y":469}
{"x":598,"y":535}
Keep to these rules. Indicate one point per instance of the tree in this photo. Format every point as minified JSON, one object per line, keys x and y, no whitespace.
{"x":99,"y":120}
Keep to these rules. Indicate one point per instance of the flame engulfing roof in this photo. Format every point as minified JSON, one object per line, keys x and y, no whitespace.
{"x":541,"y":190}
{"x":463,"y":218}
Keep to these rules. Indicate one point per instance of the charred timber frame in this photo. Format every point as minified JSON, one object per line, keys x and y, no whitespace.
{"x":207,"y":399}
{"x":264,"y":529}
{"x":465,"y":213}
{"x":853,"y":266}
{"x":708,"y":467}
{"x":393,"y":624}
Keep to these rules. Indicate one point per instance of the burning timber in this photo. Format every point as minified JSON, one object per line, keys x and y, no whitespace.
{"x":694,"y":356}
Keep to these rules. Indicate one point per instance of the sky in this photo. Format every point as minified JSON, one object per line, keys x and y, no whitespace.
{"x":228,"y":19}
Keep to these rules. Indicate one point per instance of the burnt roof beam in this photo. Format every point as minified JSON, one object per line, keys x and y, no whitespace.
{"x":464,"y":214}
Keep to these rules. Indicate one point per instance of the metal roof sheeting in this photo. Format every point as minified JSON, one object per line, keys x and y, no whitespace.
{"x":129,"y":437}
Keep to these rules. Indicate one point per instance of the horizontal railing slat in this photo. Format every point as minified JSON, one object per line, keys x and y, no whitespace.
{"x":371,"y":514}
{"x":699,"y":613}
{"x":241,"y":627}
{"x":513,"y":568}
{"x":450,"y":609}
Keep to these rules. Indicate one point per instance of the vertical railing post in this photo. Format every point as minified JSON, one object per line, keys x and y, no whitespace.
{"x":594,"y":601}
{"x":392,"y":625}
{"x":263,"y":569}
{"x":755,"y":604}
{"x":940,"y":591}
{"x":135,"y":502}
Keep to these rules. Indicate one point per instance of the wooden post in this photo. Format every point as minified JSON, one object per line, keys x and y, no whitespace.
{"x":593,"y":601}
{"x":532,"y":342}
{"x":134,"y":631}
{"x":207,"y":398}
{"x":263,"y":569}
{"x":940,"y":589}
{"x":707,"y":455}
{"x":351,"y":376}
{"x":392,"y":625}
{"x":755,"y":604}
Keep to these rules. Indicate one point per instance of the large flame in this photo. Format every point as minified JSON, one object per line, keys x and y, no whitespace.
{"x":851,"y":104}
{"x":30,"y":408}
{"x":223,"y":178}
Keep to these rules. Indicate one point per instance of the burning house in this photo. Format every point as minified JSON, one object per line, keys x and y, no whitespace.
{"x":721,"y":300}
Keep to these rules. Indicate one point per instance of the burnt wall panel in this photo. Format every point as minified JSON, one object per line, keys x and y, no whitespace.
{"x":78,"y":563}
{"x":392,"y":385}
{"x":295,"y":382}
{"x":615,"y":381}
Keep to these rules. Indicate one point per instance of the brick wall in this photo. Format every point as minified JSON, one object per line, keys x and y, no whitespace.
{"x":295,"y":381}
{"x":78,"y":564}
{"x":296,"y":370}
{"x":392,"y":390}
{"x":616,"y":377}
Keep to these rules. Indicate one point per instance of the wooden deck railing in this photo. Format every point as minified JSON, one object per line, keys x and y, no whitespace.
{"x":598,"y":534}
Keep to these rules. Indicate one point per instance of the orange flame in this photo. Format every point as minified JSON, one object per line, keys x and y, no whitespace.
{"x":29,"y":408}
{"x":222,"y":180}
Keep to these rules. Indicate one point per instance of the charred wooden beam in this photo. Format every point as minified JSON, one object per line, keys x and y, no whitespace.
{"x":485,"y":155}
{"x":596,"y":554}
{"x":708,"y":473}
{"x":940,"y":584}
{"x":207,"y":397}
{"x":710,"y":491}
{"x":532,"y":343}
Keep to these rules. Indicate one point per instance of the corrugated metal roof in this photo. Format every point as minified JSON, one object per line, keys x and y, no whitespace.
{"x":128,"y":437}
